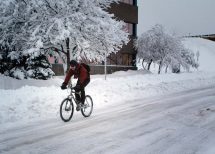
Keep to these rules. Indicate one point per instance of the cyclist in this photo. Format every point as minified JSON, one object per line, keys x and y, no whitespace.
{"x":83,"y":76}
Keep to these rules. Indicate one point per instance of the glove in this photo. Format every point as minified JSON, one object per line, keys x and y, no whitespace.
{"x":77,"y":88}
{"x":63,"y":86}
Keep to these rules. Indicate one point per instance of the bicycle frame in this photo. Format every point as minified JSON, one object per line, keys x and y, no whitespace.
{"x":71,"y":95}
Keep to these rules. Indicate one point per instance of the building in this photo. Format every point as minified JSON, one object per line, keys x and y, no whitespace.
{"x":125,"y":59}
{"x":208,"y":37}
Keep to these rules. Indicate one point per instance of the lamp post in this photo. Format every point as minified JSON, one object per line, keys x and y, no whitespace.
{"x":105,"y":66}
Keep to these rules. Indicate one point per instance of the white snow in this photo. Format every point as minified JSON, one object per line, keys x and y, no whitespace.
{"x":36,"y":101}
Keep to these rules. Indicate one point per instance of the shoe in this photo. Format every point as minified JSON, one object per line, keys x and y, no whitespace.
{"x":78,"y":107}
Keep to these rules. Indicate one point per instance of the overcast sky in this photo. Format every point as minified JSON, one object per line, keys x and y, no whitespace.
{"x":183,"y":17}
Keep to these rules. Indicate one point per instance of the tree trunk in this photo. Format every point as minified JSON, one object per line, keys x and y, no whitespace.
{"x":143,"y":64}
{"x":166,"y":69}
{"x":160,"y":66}
{"x":67,"y":53}
{"x":149,"y":64}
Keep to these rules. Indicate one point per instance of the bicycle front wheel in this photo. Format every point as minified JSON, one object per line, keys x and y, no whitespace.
{"x":87,"y":108}
{"x":66,"y":110}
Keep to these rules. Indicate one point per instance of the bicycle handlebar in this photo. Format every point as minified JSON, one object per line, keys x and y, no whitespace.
{"x":72,"y":89}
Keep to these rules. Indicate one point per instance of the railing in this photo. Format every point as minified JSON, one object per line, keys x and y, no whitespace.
{"x":99,"y":69}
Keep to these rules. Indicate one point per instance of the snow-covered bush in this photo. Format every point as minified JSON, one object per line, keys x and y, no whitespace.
{"x":39,"y":67}
{"x":22,"y":66}
{"x":5,"y":62}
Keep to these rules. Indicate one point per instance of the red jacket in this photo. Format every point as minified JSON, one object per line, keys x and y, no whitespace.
{"x":80,"y":72}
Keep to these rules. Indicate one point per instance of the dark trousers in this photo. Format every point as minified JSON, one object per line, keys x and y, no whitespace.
{"x":81,"y":96}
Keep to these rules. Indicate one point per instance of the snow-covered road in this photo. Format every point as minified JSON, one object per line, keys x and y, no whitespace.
{"x":177,"y":123}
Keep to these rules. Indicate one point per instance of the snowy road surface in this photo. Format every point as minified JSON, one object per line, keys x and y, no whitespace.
{"x":178,"y":123}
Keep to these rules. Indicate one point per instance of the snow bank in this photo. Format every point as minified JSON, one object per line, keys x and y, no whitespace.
{"x":30,"y":100}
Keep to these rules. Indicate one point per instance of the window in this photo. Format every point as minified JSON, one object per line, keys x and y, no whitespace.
{"x":129,"y":28}
{"x":128,"y":1}
{"x":134,"y":29}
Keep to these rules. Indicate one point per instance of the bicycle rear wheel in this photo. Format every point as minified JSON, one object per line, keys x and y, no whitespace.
{"x":66,"y":110}
{"x":87,"y":108}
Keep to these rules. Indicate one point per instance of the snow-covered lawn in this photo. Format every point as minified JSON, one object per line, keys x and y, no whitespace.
{"x":30,"y":100}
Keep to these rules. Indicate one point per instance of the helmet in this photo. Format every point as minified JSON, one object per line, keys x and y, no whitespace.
{"x":73,"y":63}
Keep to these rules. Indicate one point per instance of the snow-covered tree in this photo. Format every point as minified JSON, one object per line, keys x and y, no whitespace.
{"x":189,"y":58}
{"x":143,"y":47}
{"x":152,"y":45}
{"x":164,"y":49}
{"x":71,"y":28}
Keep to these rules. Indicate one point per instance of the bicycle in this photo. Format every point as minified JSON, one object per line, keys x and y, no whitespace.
{"x":67,"y":106}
